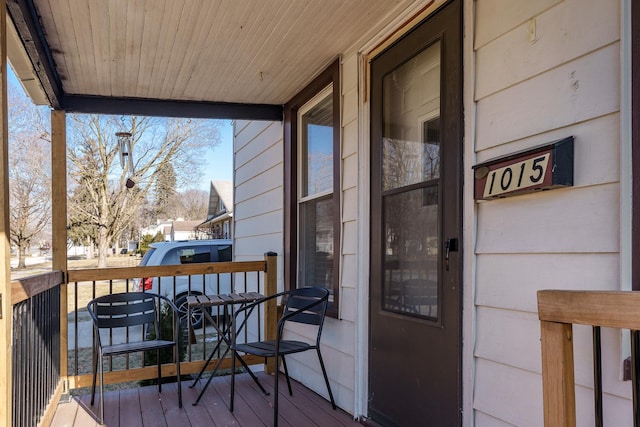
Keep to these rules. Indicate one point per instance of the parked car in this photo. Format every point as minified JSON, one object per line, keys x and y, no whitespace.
{"x":187,"y":252}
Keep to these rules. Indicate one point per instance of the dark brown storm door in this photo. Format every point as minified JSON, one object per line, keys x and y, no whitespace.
{"x":416,"y":177}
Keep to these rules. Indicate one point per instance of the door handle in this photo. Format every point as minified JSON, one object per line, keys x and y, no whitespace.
{"x":450,"y":245}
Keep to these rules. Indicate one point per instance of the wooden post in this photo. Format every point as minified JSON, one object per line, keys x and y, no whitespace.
{"x":271,"y":311}
{"x":558,"y":386}
{"x":59,"y":221}
{"x":5,"y":248}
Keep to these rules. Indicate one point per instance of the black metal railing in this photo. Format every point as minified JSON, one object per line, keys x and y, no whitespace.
{"x":36,"y":349}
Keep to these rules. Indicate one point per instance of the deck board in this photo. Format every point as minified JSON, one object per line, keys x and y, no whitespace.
{"x":145,"y":406}
{"x":151,"y":407}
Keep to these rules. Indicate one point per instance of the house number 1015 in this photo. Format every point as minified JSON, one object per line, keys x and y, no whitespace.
{"x":516,"y":176}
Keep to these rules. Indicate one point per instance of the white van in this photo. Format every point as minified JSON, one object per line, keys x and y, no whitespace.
{"x":187,"y":252}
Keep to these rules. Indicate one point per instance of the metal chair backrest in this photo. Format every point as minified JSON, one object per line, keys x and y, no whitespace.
{"x":123,"y":310}
{"x":313,"y":300}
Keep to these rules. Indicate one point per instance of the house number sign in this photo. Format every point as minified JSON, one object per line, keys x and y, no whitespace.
{"x":541,"y":168}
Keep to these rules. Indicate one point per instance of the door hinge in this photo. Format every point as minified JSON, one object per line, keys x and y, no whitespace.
{"x":0,"y":306}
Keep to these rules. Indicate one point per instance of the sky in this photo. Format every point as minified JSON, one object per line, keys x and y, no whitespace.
{"x":218,"y":162}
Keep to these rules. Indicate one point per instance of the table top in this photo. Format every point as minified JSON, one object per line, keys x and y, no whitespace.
{"x":222,"y":299}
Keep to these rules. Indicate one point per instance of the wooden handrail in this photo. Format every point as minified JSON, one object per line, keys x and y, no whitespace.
{"x":95,"y":274}
{"x":22,"y":289}
{"x":558,"y":311}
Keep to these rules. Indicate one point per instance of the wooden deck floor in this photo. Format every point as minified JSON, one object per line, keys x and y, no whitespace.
{"x":144,"y":406}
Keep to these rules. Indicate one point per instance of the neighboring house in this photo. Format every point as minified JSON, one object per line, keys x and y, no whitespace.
{"x":365,"y":161}
{"x":183,"y":230}
{"x":219,"y":222}
{"x":173,"y":229}
{"x":161,"y":226}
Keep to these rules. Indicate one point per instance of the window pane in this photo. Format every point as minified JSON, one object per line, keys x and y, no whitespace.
{"x":411,"y":129}
{"x":316,"y":243}
{"x":317,"y":148}
{"x":411,"y":251}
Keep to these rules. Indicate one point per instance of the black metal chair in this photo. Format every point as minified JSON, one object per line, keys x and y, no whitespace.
{"x":304,"y":305}
{"x":123,"y":310}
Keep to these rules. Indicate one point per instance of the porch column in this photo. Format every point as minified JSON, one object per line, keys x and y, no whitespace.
{"x":59,"y":220}
{"x":5,"y":253}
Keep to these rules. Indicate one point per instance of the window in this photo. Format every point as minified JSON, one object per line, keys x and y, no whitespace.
{"x":224,"y":253}
{"x":312,"y":186}
{"x":194,"y":255}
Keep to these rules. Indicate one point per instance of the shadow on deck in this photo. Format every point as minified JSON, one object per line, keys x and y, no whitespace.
{"x":144,"y":406}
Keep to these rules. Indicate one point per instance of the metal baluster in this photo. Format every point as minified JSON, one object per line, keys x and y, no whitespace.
{"x":597,"y":375}
{"x":635,"y":370}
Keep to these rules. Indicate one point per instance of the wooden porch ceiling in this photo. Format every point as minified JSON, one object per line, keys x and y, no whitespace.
{"x":189,"y":58}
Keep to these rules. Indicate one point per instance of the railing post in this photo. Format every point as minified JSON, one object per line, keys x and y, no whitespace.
{"x":271,"y":309}
{"x":558,"y":389}
{"x":59,"y":222}
{"x":6,"y":363}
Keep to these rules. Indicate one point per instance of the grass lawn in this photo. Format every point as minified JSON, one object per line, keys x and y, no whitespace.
{"x":85,"y":289}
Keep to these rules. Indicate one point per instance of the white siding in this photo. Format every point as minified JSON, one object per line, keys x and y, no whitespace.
{"x":258,"y":210}
{"x":529,"y":89}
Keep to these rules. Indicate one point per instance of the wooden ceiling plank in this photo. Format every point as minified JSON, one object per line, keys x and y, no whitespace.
{"x":114,"y":58}
{"x":170,"y":26}
{"x":84,"y":65}
{"x":200,"y":27}
{"x":134,"y":30}
{"x":100,"y":42}
{"x":184,"y":35}
{"x":151,"y":44}
{"x":63,"y":59}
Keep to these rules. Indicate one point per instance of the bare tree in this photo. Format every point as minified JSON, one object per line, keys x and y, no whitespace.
{"x":109,"y":206}
{"x":192,"y":205}
{"x":29,"y":173}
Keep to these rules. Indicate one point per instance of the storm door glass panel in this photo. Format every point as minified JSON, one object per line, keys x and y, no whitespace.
{"x":411,"y":95}
{"x":410,"y":259}
{"x":411,"y":185}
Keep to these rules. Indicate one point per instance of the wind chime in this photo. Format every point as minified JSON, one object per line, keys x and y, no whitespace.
{"x":126,"y":156}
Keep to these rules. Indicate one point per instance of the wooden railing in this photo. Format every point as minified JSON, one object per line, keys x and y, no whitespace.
{"x":247,"y":276}
{"x":40,"y":381}
{"x":558,"y":311}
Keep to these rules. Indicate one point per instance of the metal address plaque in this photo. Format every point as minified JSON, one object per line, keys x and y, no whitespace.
{"x":541,"y":168}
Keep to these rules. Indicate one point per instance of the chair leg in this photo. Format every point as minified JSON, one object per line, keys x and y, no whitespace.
{"x":177,"y":356}
{"x":101,"y":390}
{"x":159,"y":371}
{"x":95,"y":373}
{"x":326,"y":378}
{"x":233,"y":378}
{"x":276,"y":393}
{"x":286,"y":373}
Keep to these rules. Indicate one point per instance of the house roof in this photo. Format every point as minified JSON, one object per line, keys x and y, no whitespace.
{"x":189,"y":58}
{"x":221,"y":190}
{"x":184,"y":225}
